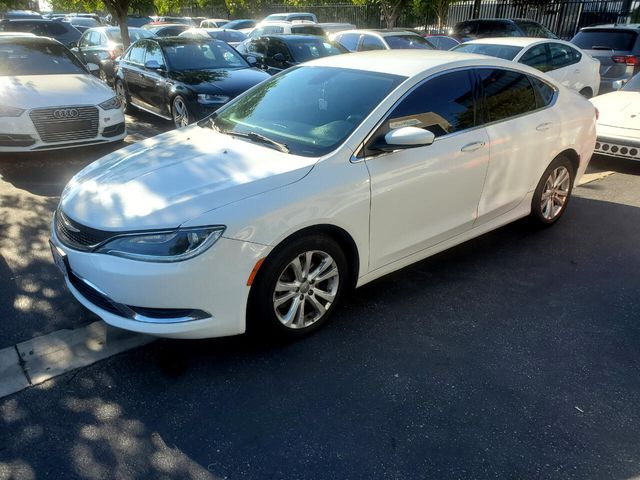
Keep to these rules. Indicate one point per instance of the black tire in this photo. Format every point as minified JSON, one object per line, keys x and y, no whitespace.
{"x":262,"y":316}
{"x":586,"y":92}
{"x":545,"y":208}
{"x":123,"y":95}
{"x":179,"y":104}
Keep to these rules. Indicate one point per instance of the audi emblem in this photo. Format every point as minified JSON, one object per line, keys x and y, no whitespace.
{"x":65,"y":113}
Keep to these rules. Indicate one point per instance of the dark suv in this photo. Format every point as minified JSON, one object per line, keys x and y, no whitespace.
{"x":64,"y":32}
{"x":499,"y":27}
{"x":617,"y":47}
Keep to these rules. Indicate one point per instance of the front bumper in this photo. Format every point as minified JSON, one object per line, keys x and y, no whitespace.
{"x":618,"y":142}
{"x":212,"y":284}
{"x":19,"y":134}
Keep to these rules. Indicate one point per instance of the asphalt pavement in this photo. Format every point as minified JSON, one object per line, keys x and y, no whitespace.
{"x":514,"y":355}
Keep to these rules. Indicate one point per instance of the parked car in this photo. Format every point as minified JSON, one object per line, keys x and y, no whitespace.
{"x":333,"y":28}
{"x":617,"y":47}
{"x":500,"y":27}
{"x":305,"y":186}
{"x":103,"y":45}
{"x":20,"y":14}
{"x":241,"y":24}
{"x":50,"y":100}
{"x":83,"y":23}
{"x":618,"y":124}
{"x":291,"y":17}
{"x":135,"y":21}
{"x":213,"y":23}
{"x":176,"y":20}
{"x":232,"y":37}
{"x":166,"y":29}
{"x":64,"y":32}
{"x":183,"y":79}
{"x":558,"y":59}
{"x":382,"y":39}
{"x":287,"y":28}
{"x":442,"y":42}
{"x":274,"y":53}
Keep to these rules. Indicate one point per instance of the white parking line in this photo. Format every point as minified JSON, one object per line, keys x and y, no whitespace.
{"x":48,"y":356}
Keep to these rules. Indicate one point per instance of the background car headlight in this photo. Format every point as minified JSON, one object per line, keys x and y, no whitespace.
{"x":111,"y":104}
{"x":205,"y":99}
{"x":6,"y":111}
{"x":165,"y":246}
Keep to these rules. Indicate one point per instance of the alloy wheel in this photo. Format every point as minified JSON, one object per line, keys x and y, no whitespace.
{"x":306,"y":289}
{"x":555,"y":193}
{"x":120,"y":93}
{"x":180,"y":113}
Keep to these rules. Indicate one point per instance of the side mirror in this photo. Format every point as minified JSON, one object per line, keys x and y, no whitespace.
{"x":152,"y":65}
{"x":252,"y":60}
{"x":406,"y":137}
{"x":278,"y":57}
{"x":618,"y":84}
{"x":93,"y":68}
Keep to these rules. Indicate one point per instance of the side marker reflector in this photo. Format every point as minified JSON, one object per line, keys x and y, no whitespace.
{"x":254,"y":272}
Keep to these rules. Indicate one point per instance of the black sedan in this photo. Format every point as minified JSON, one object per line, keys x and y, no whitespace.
{"x":275,"y":53}
{"x":166,"y":29}
{"x":182,"y":79}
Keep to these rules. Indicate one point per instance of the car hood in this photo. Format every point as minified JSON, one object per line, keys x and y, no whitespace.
{"x":167,"y":180}
{"x":619,"y":109}
{"x":229,"y":82}
{"x":36,"y":91}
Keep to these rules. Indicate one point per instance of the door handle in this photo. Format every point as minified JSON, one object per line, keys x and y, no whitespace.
{"x":544,"y":126}
{"x":472,"y":147}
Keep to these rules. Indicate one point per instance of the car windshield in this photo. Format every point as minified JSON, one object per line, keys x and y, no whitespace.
{"x":397,"y":42}
{"x":202,"y":56}
{"x":238,"y":24}
{"x":307,"y":30}
{"x":311,"y":110}
{"x":632,"y":85}
{"x":533,"y":29}
{"x":134,"y":35}
{"x":38,"y":59}
{"x":84,"y":22}
{"x":304,"y":50}
{"x":605,"y":39}
{"x":228,"y":35}
{"x":508,"y":52}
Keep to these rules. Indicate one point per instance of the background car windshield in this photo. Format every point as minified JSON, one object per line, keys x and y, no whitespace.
{"x":38,"y":59}
{"x":310,"y":109}
{"x":202,"y":56}
{"x":84,"y":22}
{"x":304,"y":50}
{"x":407,"y":41}
{"x":605,"y":39}
{"x":134,"y":35}
{"x":228,"y":35}
{"x":307,"y":30}
{"x":507,"y":52}
{"x":632,"y":85}
{"x":533,"y":29}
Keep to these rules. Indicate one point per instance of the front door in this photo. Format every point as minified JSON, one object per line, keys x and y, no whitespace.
{"x":425,"y":195}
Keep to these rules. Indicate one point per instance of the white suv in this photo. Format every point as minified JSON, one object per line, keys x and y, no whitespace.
{"x":298,"y":27}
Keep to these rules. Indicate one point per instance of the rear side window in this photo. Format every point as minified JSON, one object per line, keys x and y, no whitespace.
{"x":466,"y":29}
{"x":544,"y":93}
{"x":349,"y":41}
{"x":506,"y":93}
{"x":508,"y":52}
{"x":136,"y":54}
{"x":605,"y":39}
{"x":563,"y":55}
{"x":369,"y":42}
{"x":443,"y":105}
{"x":537,"y":57}
{"x":497,"y":29}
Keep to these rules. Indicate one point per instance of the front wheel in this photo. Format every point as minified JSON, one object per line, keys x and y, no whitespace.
{"x":297,"y":288}
{"x":121,"y":93}
{"x":552,"y":194}
{"x":181,"y":115}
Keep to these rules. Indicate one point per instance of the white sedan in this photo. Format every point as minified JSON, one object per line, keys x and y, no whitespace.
{"x":49,"y":100}
{"x":269,"y":210}
{"x":561,"y":60}
{"x":618,"y":125}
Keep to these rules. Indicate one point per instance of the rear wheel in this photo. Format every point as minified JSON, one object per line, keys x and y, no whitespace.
{"x":553,"y":192}
{"x":298,"y":287}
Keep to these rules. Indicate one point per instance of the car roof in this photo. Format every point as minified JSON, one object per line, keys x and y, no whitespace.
{"x":172,"y":41}
{"x":513,"y":41}
{"x":291,"y":38}
{"x":621,"y":26}
{"x":28,"y":40}
{"x":411,"y":62}
{"x":383,"y":32}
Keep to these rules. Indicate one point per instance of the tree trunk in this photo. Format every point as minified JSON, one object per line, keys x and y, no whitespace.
{"x":476,"y":8}
{"x":124,"y":28}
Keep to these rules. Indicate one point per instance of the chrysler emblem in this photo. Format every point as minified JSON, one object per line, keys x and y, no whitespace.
{"x":65,"y":113}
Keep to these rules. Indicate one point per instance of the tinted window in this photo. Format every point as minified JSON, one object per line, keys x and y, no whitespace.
{"x":369,"y":42}
{"x":442,"y":105}
{"x":349,"y":41}
{"x":442,"y":43}
{"x":497,"y":29}
{"x":613,"y":39}
{"x":154,"y":53}
{"x":537,"y":57}
{"x":563,"y":55}
{"x":305,"y":50}
{"x":136,"y":54}
{"x":228,"y":35}
{"x":37,"y":59}
{"x":533,"y":29}
{"x":259,"y":46}
{"x":507,"y":94}
{"x":407,"y":41}
{"x":466,"y":29}
{"x":544,"y":92}
{"x":135,"y":34}
{"x":500,"y":51}
{"x":94,"y":39}
{"x":202,"y":56}
{"x":275,"y":47}
{"x":50,"y":29}
{"x":84,"y":41}
{"x":307,"y":30}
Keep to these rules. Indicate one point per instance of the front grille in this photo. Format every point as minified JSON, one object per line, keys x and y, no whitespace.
{"x":65,"y":124}
{"x":77,"y":236}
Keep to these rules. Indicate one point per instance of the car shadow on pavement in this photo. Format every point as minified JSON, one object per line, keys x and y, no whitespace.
{"x":514,"y":355}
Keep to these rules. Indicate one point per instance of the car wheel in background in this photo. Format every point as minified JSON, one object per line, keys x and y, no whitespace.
{"x":121,"y":93}
{"x":298,"y":286}
{"x":180,"y":111}
{"x":553,"y":192}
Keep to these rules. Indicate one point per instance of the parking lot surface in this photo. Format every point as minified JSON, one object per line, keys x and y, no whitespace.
{"x":514,"y":355}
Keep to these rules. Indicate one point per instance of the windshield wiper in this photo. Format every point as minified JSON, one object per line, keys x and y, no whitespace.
{"x":255,"y":137}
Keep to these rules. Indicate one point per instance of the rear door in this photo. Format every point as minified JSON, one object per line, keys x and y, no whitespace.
{"x":152,"y":85}
{"x":565,"y":66}
{"x":133,"y":71}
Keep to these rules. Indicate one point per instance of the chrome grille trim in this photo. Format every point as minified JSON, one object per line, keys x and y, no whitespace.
{"x":77,"y":236}
{"x":51,"y":129}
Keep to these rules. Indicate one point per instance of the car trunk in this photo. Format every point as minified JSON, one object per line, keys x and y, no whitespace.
{"x":605,"y":44}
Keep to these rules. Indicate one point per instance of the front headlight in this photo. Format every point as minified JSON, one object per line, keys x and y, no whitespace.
{"x":165,"y":246}
{"x":6,"y":111}
{"x":111,"y":104}
{"x":207,"y":99}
